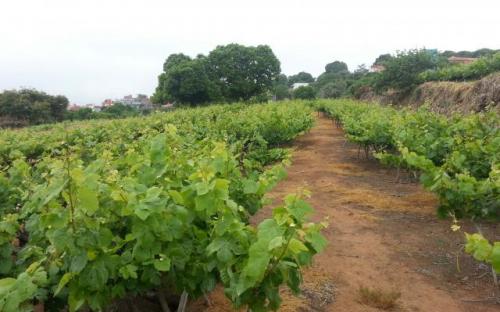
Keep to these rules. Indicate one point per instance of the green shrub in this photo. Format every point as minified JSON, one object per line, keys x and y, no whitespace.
{"x":476,"y":70}
{"x":304,"y":93}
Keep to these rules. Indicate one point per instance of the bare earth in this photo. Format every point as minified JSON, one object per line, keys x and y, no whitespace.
{"x":382,"y":235}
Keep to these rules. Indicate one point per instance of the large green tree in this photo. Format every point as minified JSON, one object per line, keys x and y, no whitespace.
{"x":337,"y":67}
{"x":300,"y":77}
{"x":229,"y":73}
{"x":401,"y":71}
{"x":190,"y":83}
{"x":185,"y":81}
{"x":336,"y":74}
{"x":174,"y":60}
{"x":163,"y":93}
{"x":242,"y":72}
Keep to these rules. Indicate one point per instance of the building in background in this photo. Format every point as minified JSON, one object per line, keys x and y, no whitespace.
{"x":461,"y":60}
{"x":377,"y":68}
{"x":168,"y":105}
{"x":299,"y":84}
{"x":73,"y":107}
{"x":107,"y":102}
{"x":141,"y":101}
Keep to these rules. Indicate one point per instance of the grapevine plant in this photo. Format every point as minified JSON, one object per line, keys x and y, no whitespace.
{"x":482,"y":250}
{"x":458,"y":157}
{"x":122,"y":210}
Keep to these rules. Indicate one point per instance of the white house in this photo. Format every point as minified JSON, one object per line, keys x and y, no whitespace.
{"x":377,"y":68}
{"x":299,"y":84}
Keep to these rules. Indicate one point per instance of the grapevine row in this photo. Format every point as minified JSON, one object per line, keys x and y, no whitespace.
{"x":109,"y":209}
{"x":458,"y":158}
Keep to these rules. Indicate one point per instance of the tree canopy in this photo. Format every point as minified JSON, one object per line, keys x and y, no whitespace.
{"x":229,"y":73}
{"x":300,"y":77}
{"x":188,"y":82}
{"x":475,"y":54}
{"x":401,"y":71}
{"x":337,"y":67}
{"x":242,"y":72}
{"x":174,"y":60}
{"x":334,"y":81}
{"x":29,"y":107}
{"x":381,"y":59}
{"x":281,"y":89}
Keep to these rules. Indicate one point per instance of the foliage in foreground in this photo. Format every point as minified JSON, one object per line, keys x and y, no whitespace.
{"x":162,"y":203}
{"x":482,"y":250}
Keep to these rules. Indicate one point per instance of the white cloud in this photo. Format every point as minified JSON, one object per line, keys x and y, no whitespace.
{"x":95,"y":49}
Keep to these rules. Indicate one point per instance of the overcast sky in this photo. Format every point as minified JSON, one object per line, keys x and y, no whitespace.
{"x":95,"y":49}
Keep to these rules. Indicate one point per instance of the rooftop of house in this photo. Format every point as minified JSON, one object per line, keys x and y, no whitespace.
{"x":377,"y":68}
{"x":73,"y":107}
{"x":299,"y":84}
{"x":460,"y":59}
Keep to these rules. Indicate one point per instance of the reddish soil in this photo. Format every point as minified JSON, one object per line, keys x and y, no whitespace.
{"x":382,"y":234}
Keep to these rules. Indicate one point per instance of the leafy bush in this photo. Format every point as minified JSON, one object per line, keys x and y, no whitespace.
{"x":482,"y":250}
{"x":401,"y":72}
{"x":475,"y":70}
{"x":362,"y":85}
{"x":300,"y":77}
{"x":333,"y":90}
{"x":304,"y":93}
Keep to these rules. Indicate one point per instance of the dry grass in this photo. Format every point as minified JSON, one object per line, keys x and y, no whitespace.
{"x":463,"y":97}
{"x":377,"y":298}
{"x":444,"y":96}
{"x":422,"y":201}
{"x":448,"y":97}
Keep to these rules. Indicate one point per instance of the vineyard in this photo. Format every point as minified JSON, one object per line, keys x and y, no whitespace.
{"x":98,"y":212}
{"x":457,"y":158}
{"x":95,"y":211}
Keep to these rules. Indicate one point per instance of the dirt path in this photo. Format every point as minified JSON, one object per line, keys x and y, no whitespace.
{"x":382,"y":234}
